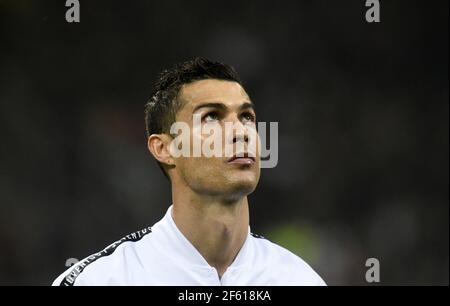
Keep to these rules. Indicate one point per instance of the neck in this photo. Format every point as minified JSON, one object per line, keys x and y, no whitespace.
{"x":216,"y":228}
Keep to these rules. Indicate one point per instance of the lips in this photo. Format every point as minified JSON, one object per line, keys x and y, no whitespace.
{"x":242,"y":158}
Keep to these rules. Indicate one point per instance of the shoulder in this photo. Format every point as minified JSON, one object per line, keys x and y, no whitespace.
{"x":285,"y":266}
{"x":108,"y":266}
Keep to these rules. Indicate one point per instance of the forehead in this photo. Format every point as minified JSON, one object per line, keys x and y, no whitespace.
{"x":227,"y":92}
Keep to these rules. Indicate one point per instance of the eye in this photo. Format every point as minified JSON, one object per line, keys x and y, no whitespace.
{"x":211,"y":117}
{"x":248,"y":117}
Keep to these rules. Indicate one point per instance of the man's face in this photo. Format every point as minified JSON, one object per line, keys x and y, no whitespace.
{"x":218,"y":104}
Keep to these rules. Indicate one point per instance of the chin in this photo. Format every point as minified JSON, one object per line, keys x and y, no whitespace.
{"x":243,"y":184}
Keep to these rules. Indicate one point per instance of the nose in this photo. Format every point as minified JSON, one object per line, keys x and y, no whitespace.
{"x":241,"y":137}
{"x":239,"y":132}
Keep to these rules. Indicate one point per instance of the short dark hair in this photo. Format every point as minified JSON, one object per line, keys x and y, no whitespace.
{"x":162,"y":107}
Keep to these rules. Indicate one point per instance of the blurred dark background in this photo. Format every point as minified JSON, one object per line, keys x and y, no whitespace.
{"x":363,"y":128}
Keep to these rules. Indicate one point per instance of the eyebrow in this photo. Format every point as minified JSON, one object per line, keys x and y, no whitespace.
{"x":245,"y":105}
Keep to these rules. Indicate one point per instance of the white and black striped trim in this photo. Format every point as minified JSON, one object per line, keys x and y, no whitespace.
{"x":69,"y":280}
{"x":257,"y":236}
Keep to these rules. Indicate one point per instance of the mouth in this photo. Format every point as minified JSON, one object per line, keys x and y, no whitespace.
{"x":242,"y":158}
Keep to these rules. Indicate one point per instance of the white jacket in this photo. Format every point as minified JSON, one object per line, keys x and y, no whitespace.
{"x":161,"y":255}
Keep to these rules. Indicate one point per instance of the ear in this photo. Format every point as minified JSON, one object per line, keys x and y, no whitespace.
{"x":158,"y":145}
